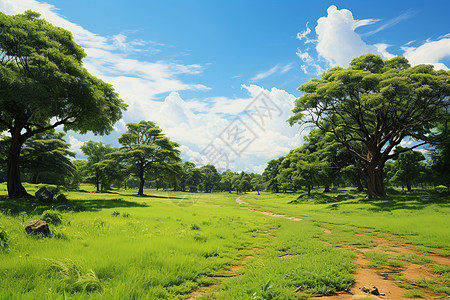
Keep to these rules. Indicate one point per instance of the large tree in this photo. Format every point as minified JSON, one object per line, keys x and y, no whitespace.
{"x":145,"y":150}
{"x":43,"y":84}
{"x":373,"y":105}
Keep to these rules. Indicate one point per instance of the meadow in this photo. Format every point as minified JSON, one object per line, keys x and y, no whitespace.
{"x":176,"y":245}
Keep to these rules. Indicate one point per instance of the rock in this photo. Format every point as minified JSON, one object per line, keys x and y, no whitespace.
{"x":44,"y":195}
{"x":61,"y":198}
{"x":38,"y":227}
{"x":370,"y":290}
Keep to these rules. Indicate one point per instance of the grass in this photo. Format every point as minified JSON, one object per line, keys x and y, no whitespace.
{"x":420,"y":217}
{"x":379,"y":259}
{"x":415,"y":293}
{"x":167,"y":244}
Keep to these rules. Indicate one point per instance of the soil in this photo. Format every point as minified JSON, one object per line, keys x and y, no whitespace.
{"x":384,"y":278}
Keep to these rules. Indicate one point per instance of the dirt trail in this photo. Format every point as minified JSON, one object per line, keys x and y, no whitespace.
{"x":383,"y":278}
{"x":242,"y":202}
{"x":366,"y":276}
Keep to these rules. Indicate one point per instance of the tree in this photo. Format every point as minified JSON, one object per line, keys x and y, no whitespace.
{"x":372,"y":106}
{"x":43,"y":84}
{"x":301,"y":168}
{"x":98,"y":163}
{"x":441,"y":164}
{"x":146,"y":149}
{"x":192,"y":177}
{"x":270,"y":175}
{"x":46,"y":158}
{"x":211,"y":178}
{"x":226,"y":180}
{"x":407,"y":168}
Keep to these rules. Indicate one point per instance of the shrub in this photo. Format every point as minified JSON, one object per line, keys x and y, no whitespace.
{"x":115,"y":213}
{"x":125,"y":214}
{"x":52,"y":217}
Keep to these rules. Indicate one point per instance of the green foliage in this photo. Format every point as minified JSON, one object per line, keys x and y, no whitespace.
{"x":372,"y":106}
{"x":101,"y":169}
{"x":407,"y":168}
{"x":44,"y":85}
{"x":148,"y":153}
{"x":52,"y":217}
{"x":45,"y":158}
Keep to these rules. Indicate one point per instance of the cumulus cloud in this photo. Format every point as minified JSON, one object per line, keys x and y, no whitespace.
{"x":203,"y":127}
{"x":338,"y":43}
{"x":431,"y":52}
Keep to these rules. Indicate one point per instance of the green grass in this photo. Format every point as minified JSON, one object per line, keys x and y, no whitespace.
{"x":420,"y":217}
{"x":415,"y":293}
{"x":164,"y":245}
{"x":379,"y":259}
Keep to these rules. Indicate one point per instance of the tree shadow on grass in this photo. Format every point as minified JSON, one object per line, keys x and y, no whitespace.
{"x":15,"y":207}
{"x":154,"y":196}
{"x":416,"y":200}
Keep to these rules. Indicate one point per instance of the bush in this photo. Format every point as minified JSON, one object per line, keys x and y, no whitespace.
{"x":115,"y":213}
{"x":51,"y":217}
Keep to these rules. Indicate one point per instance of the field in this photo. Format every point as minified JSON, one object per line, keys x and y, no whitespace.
{"x":174,"y":245}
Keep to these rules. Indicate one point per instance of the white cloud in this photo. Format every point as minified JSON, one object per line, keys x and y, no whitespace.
{"x":265,"y":74}
{"x":431,"y":52}
{"x":75,"y":145}
{"x":279,"y":69}
{"x":338,"y":42}
{"x":304,"y":35}
{"x":392,"y":22}
{"x":365,"y":22}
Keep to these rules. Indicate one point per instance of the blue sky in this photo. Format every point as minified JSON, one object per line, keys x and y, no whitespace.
{"x":194,"y":67}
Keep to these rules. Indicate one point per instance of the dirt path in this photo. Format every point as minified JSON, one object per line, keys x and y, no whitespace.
{"x":387,"y":278}
{"x":242,"y":202}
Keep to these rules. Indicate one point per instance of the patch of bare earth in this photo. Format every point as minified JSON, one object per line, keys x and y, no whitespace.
{"x":384,"y":278}
{"x":240,"y":201}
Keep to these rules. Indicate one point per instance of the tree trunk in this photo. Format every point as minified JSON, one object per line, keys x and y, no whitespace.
{"x":408,"y":187}
{"x":374,"y":181}
{"x":326,"y":189}
{"x":97,"y":180}
{"x":15,"y":187}
{"x":141,"y":183}
{"x":309,"y":190}
{"x":34,"y":178}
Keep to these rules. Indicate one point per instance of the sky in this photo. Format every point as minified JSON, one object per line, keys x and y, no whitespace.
{"x":220,"y":77}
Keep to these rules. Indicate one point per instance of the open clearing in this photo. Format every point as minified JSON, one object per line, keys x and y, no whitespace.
{"x":173,"y":245}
